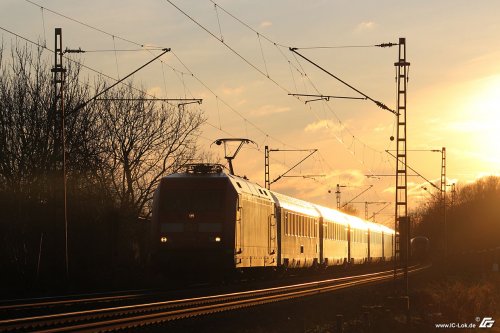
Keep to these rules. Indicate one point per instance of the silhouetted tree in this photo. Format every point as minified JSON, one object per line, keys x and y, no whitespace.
{"x":29,"y":172}
{"x":350,"y":209}
{"x":473,"y":221}
{"x":116,"y":152}
{"x":143,"y":141}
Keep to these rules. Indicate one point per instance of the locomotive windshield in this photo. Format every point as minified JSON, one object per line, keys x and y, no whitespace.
{"x":191,"y":200}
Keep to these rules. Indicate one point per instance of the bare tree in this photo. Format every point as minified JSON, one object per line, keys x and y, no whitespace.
{"x":350,"y":209}
{"x":27,"y":135}
{"x":30,"y":161}
{"x":24,"y":107}
{"x":144,"y":140}
{"x":116,"y":153}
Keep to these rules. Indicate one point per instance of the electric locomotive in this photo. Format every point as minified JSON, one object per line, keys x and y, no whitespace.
{"x":207,"y":220}
{"x":419,"y":248}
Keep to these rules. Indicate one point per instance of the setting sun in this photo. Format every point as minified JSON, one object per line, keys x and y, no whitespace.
{"x":481,"y":120}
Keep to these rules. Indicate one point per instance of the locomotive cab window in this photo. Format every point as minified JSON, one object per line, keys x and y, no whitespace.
{"x":192,"y":200}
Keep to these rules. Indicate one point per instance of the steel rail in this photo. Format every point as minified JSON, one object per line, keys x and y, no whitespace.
{"x":153,"y":313}
{"x":67,"y":300}
{"x":181,"y":302}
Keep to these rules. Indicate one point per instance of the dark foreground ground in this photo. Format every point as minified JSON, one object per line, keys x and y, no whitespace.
{"x":445,"y":294}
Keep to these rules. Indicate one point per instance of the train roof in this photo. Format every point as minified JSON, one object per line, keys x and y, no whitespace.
{"x":356,"y":222}
{"x":386,"y":230}
{"x":374,"y":226}
{"x":295,"y":204}
{"x":243,"y":185}
{"x":332,"y":215}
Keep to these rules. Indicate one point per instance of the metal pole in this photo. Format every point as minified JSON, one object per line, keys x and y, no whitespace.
{"x":65,"y":179}
{"x":39,"y":257}
{"x":337,"y":196}
{"x":401,"y":201}
{"x":58,"y":79}
{"x":402,"y":220}
{"x":443,"y":198}
{"x":266,"y":168}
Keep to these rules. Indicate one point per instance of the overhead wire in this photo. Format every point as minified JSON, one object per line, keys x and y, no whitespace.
{"x":227,"y":104}
{"x":218,"y":22}
{"x":340,"y":122}
{"x":241,"y":56}
{"x":116,"y":59}
{"x":246,"y":25}
{"x":262,"y":52}
{"x":208,"y":31}
{"x":343,"y":128}
{"x":266,"y":135}
{"x":335,"y":47}
{"x":74,"y":61}
{"x":278,"y":45}
{"x":301,"y":70}
{"x":304,"y":75}
{"x":228,"y":46}
{"x":172,"y":68}
{"x":84,"y":24}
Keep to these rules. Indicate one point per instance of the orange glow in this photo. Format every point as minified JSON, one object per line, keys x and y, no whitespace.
{"x":481,"y":125}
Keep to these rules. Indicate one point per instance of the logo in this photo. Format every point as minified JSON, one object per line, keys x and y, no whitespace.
{"x":487,"y":322}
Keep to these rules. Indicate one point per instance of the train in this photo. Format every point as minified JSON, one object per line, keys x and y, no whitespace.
{"x":212,"y":221}
{"x":420,"y":247}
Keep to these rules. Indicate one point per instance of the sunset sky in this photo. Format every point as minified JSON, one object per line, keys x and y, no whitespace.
{"x":453,"y":90}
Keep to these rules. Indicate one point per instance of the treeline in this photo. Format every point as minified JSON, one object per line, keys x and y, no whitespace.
{"x":117,"y":149}
{"x":472,"y":219}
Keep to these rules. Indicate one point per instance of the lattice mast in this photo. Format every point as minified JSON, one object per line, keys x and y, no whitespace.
{"x":401,"y":224}
{"x":443,"y":199}
{"x":267,"y":182}
{"x":337,"y":196}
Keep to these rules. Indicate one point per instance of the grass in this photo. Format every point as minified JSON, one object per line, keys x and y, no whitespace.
{"x":459,"y":299}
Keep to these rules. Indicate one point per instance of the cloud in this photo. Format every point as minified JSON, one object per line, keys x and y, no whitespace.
{"x":483,"y":58}
{"x":230,"y":91}
{"x":155,"y":91}
{"x":269,"y":109}
{"x":389,"y":189}
{"x":469,"y":126}
{"x":365,"y":26}
{"x":382,"y":128}
{"x":266,"y":24}
{"x":484,"y":174}
{"x":324,"y":124}
{"x":353,"y":177}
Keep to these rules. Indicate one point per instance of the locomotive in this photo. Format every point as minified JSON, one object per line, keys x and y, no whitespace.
{"x":419,"y":247}
{"x":213,"y":221}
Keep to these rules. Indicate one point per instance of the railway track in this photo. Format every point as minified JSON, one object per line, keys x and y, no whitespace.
{"x":138,"y":315}
{"x":10,"y":307}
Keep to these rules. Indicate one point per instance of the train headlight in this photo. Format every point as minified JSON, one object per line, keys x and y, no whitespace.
{"x":163,"y":239}
{"x":217,"y":239}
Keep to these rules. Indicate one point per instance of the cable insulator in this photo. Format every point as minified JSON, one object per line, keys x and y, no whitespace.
{"x":387,"y":44}
{"x":79,"y":50}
